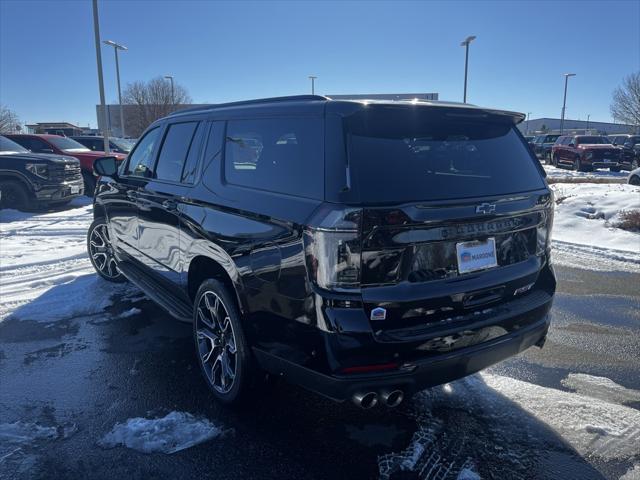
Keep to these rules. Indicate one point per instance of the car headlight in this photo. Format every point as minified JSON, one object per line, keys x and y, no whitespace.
{"x":38,"y":169}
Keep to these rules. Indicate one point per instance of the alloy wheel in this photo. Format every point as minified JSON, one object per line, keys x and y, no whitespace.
{"x":216,"y":341}
{"x":101,"y":252}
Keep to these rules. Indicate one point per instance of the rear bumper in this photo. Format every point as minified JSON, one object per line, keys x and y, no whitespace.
{"x":415,"y":376}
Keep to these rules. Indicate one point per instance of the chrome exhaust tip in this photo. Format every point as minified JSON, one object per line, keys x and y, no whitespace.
{"x":392,"y":398}
{"x":366,"y":400}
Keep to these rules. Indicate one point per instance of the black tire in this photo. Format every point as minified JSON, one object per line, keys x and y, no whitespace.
{"x":554,"y":160}
{"x":89,"y":184}
{"x":635,"y":180}
{"x":100,"y":252}
{"x":578,"y":165}
{"x":219,"y":321}
{"x":16,"y":195}
{"x":634,"y":164}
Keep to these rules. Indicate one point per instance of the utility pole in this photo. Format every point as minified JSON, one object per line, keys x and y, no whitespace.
{"x":564,"y":101}
{"x":173,"y":98}
{"x":313,"y":84}
{"x":117,"y":47}
{"x":105,"y":120}
{"x":588,"y":117}
{"x":467,"y":41}
{"x":528,"y":115}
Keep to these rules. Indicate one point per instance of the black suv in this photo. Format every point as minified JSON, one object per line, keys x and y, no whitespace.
{"x":629,"y":146}
{"x":32,"y":180}
{"x":542,"y":145}
{"x":363,"y":250}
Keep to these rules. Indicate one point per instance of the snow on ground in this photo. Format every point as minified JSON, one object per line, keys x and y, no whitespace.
{"x":44,"y":256}
{"x":585,"y":218}
{"x":555,"y":174}
{"x":516,"y":412}
{"x":172,"y":433}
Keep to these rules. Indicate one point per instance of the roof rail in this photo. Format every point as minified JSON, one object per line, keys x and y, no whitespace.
{"x":291,"y":98}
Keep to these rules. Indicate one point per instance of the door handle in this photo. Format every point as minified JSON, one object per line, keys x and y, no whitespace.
{"x":170,"y":204}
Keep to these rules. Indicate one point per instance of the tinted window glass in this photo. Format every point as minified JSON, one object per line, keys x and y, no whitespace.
{"x":399,"y":154}
{"x":551,"y":138}
{"x":591,"y":140}
{"x":174,"y":151}
{"x":283,"y":155}
{"x":67,"y":144}
{"x":33,"y":143}
{"x":141,"y":159}
{"x":10,"y":146}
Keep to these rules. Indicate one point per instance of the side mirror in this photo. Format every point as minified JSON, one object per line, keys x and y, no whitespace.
{"x":106,"y":166}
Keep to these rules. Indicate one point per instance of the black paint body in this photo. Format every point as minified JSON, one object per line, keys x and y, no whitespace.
{"x":168,"y":237}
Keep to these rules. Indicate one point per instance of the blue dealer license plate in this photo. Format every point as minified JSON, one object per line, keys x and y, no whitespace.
{"x":476,"y":255}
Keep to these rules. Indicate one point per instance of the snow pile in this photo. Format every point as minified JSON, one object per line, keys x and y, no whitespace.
{"x":600,"y":387}
{"x":172,"y":433}
{"x":18,"y":439}
{"x":45,"y":273}
{"x":594,"y":427}
{"x":585,"y":215}
{"x":489,"y":419}
{"x":559,"y":175}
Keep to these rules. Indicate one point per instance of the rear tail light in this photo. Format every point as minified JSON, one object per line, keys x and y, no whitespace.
{"x":332,"y":249}
{"x":546,"y":225}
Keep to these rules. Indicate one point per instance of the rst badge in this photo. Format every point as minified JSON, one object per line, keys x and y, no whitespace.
{"x":378,"y":313}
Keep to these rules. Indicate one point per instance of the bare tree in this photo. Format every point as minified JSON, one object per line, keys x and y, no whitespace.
{"x":9,"y":122}
{"x":625,"y":107}
{"x":153,"y":100}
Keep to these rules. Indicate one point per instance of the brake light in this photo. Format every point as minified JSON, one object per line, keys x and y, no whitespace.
{"x":332,"y":249}
{"x":546,"y":225}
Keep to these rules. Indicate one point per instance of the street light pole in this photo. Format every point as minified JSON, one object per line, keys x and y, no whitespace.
{"x":313,"y":84}
{"x":117,"y":47}
{"x":173,"y":98}
{"x":528,"y":115}
{"x":96,"y":33}
{"x":588,"y":117}
{"x":465,"y":44}
{"x":564,"y":101}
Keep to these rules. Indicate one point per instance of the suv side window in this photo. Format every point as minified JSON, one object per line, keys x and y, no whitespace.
{"x":174,"y":151}
{"x":283,"y":155}
{"x":141,"y":159}
{"x":34,"y":144}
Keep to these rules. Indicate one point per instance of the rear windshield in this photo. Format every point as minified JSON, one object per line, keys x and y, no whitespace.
{"x":67,"y":144}
{"x":402,"y":155}
{"x":592,"y":140}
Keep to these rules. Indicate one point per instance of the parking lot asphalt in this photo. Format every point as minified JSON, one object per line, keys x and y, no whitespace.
{"x":570,"y":410}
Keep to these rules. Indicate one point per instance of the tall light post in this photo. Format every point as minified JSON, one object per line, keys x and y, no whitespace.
{"x":173,"y":98}
{"x":96,"y":33}
{"x":117,"y":47}
{"x":313,"y":84}
{"x":588,"y":117}
{"x":528,"y":115}
{"x":465,"y":44}
{"x":564,"y":101}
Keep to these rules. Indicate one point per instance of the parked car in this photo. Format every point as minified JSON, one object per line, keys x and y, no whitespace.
{"x":634,"y":177}
{"x":65,"y":146}
{"x":585,"y":153}
{"x":542,"y":145}
{"x":629,"y":146}
{"x":363,"y":250}
{"x":34,"y":180}
{"x":96,"y":144}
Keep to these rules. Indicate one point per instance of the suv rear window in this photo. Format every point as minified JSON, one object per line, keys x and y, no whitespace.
{"x":399,"y":155}
{"x":283,"y":155}
{"x":592,"y":140}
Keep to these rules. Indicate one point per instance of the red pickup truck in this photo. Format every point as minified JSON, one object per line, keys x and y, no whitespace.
{"x":66,"y":146}
{"x":585,"y":153}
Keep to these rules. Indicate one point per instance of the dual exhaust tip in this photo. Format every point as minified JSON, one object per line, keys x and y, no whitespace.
{"x":390,"y":398}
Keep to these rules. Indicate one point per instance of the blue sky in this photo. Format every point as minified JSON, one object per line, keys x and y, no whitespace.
{"x":224,"y":51}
